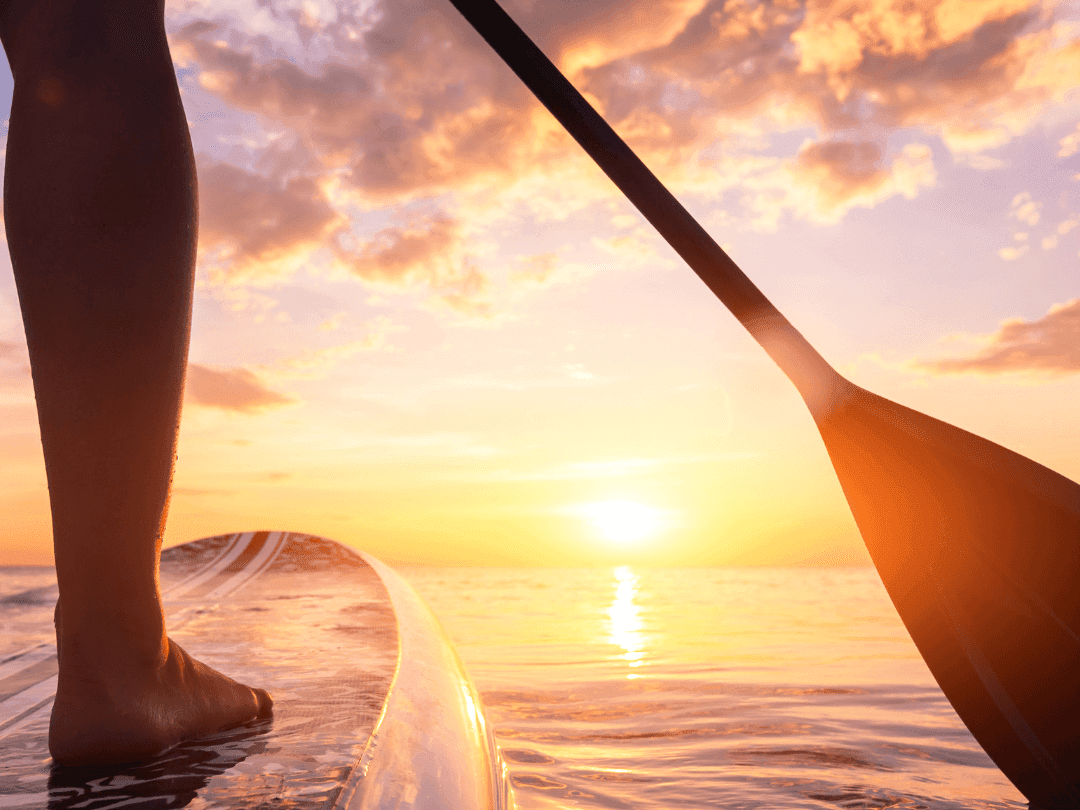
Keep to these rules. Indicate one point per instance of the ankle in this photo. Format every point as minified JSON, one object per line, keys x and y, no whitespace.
{"x":102,"y":651}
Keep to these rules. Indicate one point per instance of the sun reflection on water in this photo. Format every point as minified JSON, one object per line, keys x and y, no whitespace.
{"x":626,"y":624}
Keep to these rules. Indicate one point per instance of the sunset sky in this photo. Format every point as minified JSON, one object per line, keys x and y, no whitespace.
{"x":426,"y":325}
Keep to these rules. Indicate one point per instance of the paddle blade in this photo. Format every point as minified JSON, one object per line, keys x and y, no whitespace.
{"x":979,"y":549}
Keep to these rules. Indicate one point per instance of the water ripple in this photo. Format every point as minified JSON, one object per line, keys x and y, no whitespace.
{"x":696,"y":688}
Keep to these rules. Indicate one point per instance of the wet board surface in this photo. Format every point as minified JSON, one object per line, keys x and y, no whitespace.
{"x":302,"y":616}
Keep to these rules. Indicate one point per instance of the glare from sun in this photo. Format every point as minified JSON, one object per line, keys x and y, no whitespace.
{"x":624,"y":521}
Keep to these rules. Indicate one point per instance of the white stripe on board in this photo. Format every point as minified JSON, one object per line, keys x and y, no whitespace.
{"x":26,"y":659}
{"x":28,"y":700}
{"x":210,"y":571}
{"x":266,"y":555}
{"x":263,"y":560}
{"x":39,"y":712}
{"x":227,"y":550}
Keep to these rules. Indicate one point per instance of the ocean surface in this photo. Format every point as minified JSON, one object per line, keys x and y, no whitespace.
{"x":687,"y":688}
{"x":694,"y":688}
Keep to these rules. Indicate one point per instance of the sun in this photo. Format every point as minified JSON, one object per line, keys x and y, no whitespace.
{"x":624,"y":521}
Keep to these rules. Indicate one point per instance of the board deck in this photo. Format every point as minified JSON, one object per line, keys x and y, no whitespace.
{"x":363,"y":679}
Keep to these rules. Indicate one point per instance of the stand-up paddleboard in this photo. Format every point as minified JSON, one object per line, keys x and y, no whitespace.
{"x":372,"y":708}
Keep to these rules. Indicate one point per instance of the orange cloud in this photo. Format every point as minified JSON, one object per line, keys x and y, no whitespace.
{"x":399,"y":252}
{"x":1049,"y":344}
{"x":255,"y":225}
{"x":1025,"y":209}
{"x":842,"y":169}
{"x":1010,"y":253}
{"x":827,"y":179}
{"x":12,"y":352}
{"x":313,"y":363}
{"x":978,"y":70}
{"x":231,"y":389}
{"x":836,"y":37}
{"x":427,"y":251}
{"x":598,"y":33}
{"x":407,"y":109}
{"x":14,"y":363}
{"x":411,"y":104}
{"x":1070,"y":144}
{"x":537,"y":269}
{"x":973,"y":73}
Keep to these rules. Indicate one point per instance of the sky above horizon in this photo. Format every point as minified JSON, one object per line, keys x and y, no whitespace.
{"x":428,"y":326}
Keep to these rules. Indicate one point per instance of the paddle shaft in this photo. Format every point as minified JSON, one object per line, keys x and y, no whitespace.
{"x":797,"y":358}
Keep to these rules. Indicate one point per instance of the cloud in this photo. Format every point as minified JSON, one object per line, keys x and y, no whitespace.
{"x":252,"y":225}
{"x":1028,"y":212}
{"x":231,"y":389}
{"x":399,"y":253}
{"x":1025,"y":209}
{"x":428,"y":251}
{"x":634,"y":248}
{"x":1070,"y":144}
{"x":838,"y":38}
{"x":14,"y":363}
{"x":409,"y":106}
{"x":537,"y":269}
{"x":827,"y":179}
{"x":333,"y":323}
{"x":401,"y":101}
{"x":981,"y":163}
{"x":843,"y":174}
{"x":12,"y":352}
{"x":312,"y":363}
{"x":1048,"y":344}
{"x":955,"y":65}
{"x":973,"y":73}
{"x":844,"y":168}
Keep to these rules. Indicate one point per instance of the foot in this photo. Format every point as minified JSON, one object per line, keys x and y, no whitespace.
{"x":106,"y":713}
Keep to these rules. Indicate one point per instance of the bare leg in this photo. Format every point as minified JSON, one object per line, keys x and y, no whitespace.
{"x":100,"y":211}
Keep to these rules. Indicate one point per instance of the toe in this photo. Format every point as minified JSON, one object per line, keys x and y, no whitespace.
{"x":266,"y":703}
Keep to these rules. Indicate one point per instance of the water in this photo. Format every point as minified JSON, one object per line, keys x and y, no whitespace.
{"x":696,"y":688}
{"x":733,"y":688}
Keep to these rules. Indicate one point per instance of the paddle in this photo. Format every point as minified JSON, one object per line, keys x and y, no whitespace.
{"x":978,"y":547}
